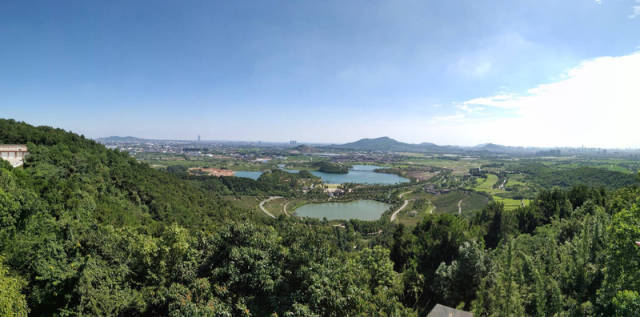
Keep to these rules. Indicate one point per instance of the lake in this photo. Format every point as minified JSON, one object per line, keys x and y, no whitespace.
{"x":361,"y":174}
{"x":358,"y":174}
{"x":359,"y":209}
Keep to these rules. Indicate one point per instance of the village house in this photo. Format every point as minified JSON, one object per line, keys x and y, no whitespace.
{"x":13,"y":153}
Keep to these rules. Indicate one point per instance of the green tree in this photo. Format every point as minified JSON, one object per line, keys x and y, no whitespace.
{"x":12,"y":301}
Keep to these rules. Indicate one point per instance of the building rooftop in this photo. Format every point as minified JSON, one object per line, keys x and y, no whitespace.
{"x":445,"y":311}
{"x":13,"y":147}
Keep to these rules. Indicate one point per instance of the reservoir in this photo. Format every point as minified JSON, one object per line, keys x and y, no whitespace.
{"x":358,"y":174}
{"x":359,"y":209}
{"x":361,"y":174}
{"x":248,"y":174}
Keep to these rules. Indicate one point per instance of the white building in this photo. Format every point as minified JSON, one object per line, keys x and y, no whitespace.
{"x":13,"y":153}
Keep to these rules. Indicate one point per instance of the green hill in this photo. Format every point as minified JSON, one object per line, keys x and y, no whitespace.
{"x":88,"y":231}
{"x":387,"y":144}
{"x":63,"y":166}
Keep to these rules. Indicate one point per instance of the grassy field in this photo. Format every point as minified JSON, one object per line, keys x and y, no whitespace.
{"x":459,"y":167}
{"x":510,"y":204}
{"x":276,"y":206}
{"x":515,"y":180}
{"x":487,"y":184}
{"x":473,"y":202}
{"x":246,"y":202}
{"x":487,"y":187}
{"x":407,"y":218}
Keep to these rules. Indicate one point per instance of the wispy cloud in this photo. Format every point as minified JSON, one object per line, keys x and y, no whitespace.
{"x":636,"y":10}
{"x":489,"y":53}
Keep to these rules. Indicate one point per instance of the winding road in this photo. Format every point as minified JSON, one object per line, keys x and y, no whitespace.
{"x":285,"y":208}
{"x":406,"y":202}
{"x":264,"y":202}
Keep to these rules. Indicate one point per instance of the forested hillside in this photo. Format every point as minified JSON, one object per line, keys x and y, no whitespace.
{"x":88,"y":231}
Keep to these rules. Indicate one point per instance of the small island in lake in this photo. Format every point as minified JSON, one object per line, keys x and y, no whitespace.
{"x":331,"y":167}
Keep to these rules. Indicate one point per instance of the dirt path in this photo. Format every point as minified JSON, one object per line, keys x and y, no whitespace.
{"x":285,"y":208}
{"x":503,"y":183}
{"x":400,"y":196}
{"x":460,"y":207}
{"x":264,"y":202}
{"x":395,"y":213}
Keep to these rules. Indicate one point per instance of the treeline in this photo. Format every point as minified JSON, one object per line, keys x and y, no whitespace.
{"x":272,"y":182}
{"x":547,"y":177}
{"x":569,"y":253}
{"x":332,"y":167}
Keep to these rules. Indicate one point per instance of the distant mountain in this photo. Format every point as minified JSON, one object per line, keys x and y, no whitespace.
{"x":121,"y":139}
{"x":387,"y":144}
{"x":490,"y":147}
{"x":390,"y":145}
{"x":377,"y":144}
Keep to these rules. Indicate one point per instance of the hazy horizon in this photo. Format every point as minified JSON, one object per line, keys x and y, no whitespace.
{"x":543,"y":74}
{"x":326,"y":143}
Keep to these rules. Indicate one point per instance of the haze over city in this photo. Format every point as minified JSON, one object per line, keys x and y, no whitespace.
{"x":543,"y":73}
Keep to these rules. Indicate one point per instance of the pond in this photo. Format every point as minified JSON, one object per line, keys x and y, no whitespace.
{"x":248,"y":174}
{"x":359,"y":209}
{"x":358,"y":174}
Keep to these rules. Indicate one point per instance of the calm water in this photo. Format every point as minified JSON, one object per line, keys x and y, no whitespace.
{"x":359,"y":209}
{"x":359,"y":174}
{"x":247,"y":174}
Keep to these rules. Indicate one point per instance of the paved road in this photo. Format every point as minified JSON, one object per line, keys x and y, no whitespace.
{"x":285,"y":208}
{"x":400,"y":196}
{"x":395,"y":213}
{"x":264,"y":202}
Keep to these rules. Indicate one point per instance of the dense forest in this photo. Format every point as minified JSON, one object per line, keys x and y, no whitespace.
{"x":88,"y":231}
{"x":332,"y":167}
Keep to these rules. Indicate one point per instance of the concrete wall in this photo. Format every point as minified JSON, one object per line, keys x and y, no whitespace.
{"x":13,"y":153}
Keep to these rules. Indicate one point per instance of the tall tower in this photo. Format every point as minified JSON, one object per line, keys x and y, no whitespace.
{"x":198,"y":138}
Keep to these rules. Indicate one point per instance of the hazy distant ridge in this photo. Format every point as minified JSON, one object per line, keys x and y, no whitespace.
{"x":389,"y":144}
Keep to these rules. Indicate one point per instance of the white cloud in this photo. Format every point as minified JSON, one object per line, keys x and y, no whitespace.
{"x":596,"y":104}
{"x":636,"y":10}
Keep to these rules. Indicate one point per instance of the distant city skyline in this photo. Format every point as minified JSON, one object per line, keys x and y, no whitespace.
{"x":519,"y":73}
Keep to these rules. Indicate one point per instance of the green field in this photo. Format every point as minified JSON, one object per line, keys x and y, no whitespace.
{"x":407,"y":218}
{"x":509,"y":204}
{"x":487,"y":184}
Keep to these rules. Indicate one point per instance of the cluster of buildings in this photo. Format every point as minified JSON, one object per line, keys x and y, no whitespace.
{"x":13,"y":153}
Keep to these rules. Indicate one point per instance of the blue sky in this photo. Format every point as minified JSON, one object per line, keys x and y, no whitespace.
{"x":325,"y":71}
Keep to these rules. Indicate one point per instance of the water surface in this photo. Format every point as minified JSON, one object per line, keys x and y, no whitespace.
{"x":359,"y":174}
{"x":359,"y":209}
{"x":248,"y":174}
